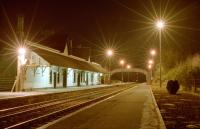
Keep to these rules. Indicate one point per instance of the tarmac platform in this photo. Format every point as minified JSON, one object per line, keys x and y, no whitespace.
{"x":142,"y":92}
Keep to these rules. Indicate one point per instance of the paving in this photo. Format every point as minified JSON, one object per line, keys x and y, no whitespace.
{"x":132,"y":109}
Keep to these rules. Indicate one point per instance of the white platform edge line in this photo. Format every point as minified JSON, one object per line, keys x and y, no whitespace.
{"x":161,"y":121}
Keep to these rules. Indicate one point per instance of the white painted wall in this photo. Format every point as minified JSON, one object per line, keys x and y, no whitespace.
{"x":89,"y":78}
{"x":36,"y":77}
{"x":70,"y":77}
{"x":39,"y":77}
{"x":83,"y":83}
{"x":96,"y":78}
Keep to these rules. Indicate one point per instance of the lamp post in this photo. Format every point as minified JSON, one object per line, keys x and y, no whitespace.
{"x":122,"y":74}
{"x":160,"y":25}
{"x":128,"y":67}
{"x":150,"y":63}
{"x":109,"y":54}
{"x":150,"y":69}
{"x":21,"y":61}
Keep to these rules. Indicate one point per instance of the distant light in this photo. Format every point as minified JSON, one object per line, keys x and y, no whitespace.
{"x":153,"y":52}
{"x":122,"y":62}
{"x":21,"y":51}
{"x":150,"y":62}
{"x":149,"y":66}
{"x":128,"y":66}
{"x":160,"y":24}
{"x":109,"y":52}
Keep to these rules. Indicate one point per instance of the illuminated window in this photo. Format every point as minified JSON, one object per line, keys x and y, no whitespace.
{"x":92,"y":77}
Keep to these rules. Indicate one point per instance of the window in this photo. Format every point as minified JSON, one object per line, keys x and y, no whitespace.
{"x":58,"y":77}
{"x":50,"y":77}
{"x":32,"y":59}
{"x":74,"y":81}
{"x":92,"y":77}
{"x":83,"y":76}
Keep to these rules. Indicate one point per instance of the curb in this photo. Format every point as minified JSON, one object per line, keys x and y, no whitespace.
{"x":161,"y":121}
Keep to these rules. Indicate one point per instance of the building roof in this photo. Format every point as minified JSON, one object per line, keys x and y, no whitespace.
{"x":57,"y":58}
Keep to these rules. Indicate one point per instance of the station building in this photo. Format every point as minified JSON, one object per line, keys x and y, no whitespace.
{"x":39,"y":66}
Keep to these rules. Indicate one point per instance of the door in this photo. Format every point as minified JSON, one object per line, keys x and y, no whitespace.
{"x":54,"y":79}
{"x":64,"y":78}
{"x":79,"y":79}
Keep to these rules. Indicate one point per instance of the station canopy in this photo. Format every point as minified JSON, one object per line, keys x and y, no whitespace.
{"x":56,"y":58}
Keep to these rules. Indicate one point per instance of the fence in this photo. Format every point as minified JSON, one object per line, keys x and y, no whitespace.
{"x":194,"y":85}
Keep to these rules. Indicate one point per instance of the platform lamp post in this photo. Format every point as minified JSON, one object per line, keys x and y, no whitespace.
{"x":150,"y":64}
{"x":122,"y":62}
{"x":160,"y":24}
{"x":152,"y":53}
{"x":150,"y":69}
{"x":21,"y":61}
{"x":109,"y":54}
{"x":128,"y":67}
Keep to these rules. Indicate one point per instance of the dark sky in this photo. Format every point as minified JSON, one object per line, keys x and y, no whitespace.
{"x":122,"y":24}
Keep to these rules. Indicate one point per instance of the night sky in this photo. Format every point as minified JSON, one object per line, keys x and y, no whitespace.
{"x":125,"y":25}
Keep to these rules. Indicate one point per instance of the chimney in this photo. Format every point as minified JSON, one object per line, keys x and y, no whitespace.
{"x":70,"y":47}
{"x":66,"y":49}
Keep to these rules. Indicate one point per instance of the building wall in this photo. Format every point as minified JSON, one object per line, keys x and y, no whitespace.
{"x":94,"y":78}
{"x":72,"y":77}
{"x":37,"y":77}
{"x":97,"y":79}
{"x":46,"y":76}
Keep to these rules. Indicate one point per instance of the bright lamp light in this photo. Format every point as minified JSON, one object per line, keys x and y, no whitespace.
{"x":21,"y":56}
{"x":160,"y":24}
{"x":150,"y":61}
{"x":128,"y":66}
{"x":109,"y":52}
{"x":21,"y":51}
{"x":153,"y":52}
{"x":149,"y":66}
{"x":122,"y":62}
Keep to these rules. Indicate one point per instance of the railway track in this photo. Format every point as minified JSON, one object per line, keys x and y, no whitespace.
{"x":37,"y":114}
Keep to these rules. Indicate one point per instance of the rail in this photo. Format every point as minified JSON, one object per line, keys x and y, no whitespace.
{"x":40,"y":113}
